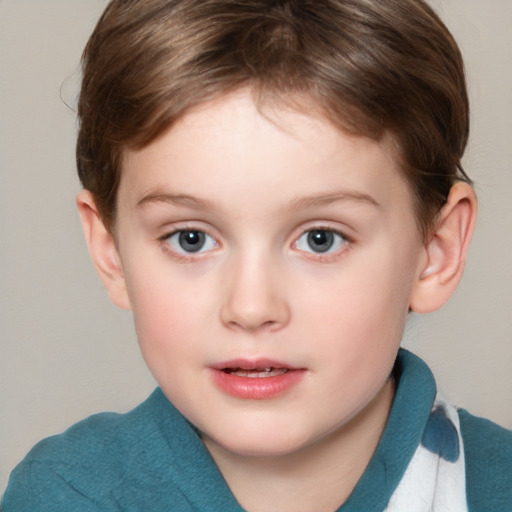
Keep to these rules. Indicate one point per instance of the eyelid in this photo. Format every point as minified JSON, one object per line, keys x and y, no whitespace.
{"x":171,"y":228}
{"x":208,"y":242}
{"x":328,"y":255}
{"x":333,"y":227}
{"x":183,"y":255}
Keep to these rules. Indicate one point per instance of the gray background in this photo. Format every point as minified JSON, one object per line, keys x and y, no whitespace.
{"x":66,"y":352}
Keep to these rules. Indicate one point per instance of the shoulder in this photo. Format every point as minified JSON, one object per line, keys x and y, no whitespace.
{"x":99,"y":439}
{"x":83,"y":468}
{"x":488,"y":452}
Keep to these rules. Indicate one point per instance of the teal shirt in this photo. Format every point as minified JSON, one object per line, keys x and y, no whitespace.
{"x":152,"y":459}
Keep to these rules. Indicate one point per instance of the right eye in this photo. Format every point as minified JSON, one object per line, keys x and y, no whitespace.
{"x":190,"y":241}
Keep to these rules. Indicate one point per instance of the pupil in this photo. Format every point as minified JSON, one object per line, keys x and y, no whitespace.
{"x":191,"y":241}
{"x":320,"y":240}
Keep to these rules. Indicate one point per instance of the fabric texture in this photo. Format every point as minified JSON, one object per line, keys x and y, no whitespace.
{"x":153,"y":459}
{"x":435,"y":478}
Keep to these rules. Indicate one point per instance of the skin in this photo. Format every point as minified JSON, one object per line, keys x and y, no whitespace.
{"x":256,"y":186}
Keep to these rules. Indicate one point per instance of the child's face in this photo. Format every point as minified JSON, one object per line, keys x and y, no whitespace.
{"x":248,"y":244}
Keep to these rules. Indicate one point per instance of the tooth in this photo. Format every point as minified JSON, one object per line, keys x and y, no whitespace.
{"x":257,"y":372}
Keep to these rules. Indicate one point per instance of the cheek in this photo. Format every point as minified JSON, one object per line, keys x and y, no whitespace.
{"x":365,"y":292}
{"x":167,"y":314}
{"x":362,"y":307}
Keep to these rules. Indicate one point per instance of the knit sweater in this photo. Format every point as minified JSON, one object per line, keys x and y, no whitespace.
{"x":152,"y":459}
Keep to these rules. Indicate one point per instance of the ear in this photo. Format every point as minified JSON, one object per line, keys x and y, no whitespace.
{"x":446,"y":251}
{"x":103,"y":250}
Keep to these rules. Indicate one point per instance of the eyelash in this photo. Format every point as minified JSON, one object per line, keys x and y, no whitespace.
{"x":328,"y":255}
{"x":182,"y":255}
{"x":323,"y":256}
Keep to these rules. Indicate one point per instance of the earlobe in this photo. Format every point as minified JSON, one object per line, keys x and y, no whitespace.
{"x":103,"y":250}
{"x":446,"y":251}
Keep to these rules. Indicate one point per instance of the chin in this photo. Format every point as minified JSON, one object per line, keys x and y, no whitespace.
{"x":259,"y":445}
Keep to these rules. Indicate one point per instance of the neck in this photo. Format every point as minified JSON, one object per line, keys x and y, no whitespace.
{"x":320,"y":476}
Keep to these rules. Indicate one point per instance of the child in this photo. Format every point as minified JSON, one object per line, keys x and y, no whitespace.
{"x":271,"y":186}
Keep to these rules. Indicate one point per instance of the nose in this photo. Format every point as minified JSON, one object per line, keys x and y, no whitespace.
{"x":255,"y":296}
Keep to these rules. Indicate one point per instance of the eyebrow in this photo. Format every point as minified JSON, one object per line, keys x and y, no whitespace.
{"x":301,"y":203}
{"x":175,"y":199}
{"x":327,"y":199}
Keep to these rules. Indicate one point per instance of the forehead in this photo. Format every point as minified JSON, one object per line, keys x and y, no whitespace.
{"x":232,"y":146}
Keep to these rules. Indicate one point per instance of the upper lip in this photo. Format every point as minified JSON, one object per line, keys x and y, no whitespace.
{"x":253,"y":364}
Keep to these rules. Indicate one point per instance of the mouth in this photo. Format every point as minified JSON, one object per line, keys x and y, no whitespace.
{"x":257,"y":380}
{"x":256,"y":373}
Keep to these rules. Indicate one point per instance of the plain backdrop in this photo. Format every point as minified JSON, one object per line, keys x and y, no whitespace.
{"x":66,"y":352}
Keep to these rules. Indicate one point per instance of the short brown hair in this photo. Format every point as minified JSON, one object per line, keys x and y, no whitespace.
{"x":370,"y":66}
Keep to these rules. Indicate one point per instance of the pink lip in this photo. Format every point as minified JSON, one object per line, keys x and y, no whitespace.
{"x":256,"y":388}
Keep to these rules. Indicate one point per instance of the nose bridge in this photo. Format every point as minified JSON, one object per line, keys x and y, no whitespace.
{"x":255,"y":293}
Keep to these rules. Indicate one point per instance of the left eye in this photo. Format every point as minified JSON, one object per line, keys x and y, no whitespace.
{"x":320,"y":241}
{"x":191,"y":241}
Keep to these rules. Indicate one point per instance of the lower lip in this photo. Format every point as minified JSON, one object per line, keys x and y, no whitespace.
{"x":256,"y":388}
